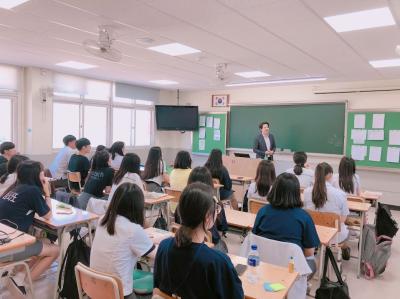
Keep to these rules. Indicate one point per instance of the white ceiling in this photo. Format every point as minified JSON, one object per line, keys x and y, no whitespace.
{"x":284,"y":38}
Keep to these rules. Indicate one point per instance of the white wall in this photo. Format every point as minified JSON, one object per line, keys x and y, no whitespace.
{"x":378,"y":180}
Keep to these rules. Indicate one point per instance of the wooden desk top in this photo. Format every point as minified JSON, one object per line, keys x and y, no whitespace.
{"x":57,"y":221}
{"x":155,"y":201}
{"x":157,"y":235}
{"x":371,"y":195}
{"x":240,"y":219}
{"x":268,"y":273}
{"x":17,"y":243}
{"x":358,"y":206}
{"x":326,"y":234}
{"x":241,"y":178}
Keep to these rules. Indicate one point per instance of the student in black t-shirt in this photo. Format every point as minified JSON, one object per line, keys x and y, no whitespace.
{"x":7,"y":151}
{"x":187,"y":267}
{"x":79,"y":162}
{"x":18,"y":206}
{"x":99,"y":179}
{"x":219,"y":171}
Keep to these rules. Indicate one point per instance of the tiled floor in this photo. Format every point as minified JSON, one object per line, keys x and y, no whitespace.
{"x":385,"y":286}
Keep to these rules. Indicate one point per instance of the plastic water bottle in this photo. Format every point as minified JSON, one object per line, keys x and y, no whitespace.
{"x":253,"y":260}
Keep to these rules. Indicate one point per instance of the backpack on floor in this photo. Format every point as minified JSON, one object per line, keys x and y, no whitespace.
{"x":385,"y":223}
{"x":77,"y":251}
{"x":375,"y":252}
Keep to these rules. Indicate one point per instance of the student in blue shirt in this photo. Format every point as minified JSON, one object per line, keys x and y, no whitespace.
{"x":284,"y":219}
{"x":29,"y":195}
{"x":187,"y":267}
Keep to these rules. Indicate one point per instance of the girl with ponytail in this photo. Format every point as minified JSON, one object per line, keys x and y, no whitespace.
{"x":301,"y":170}
{"x":184,"y":265}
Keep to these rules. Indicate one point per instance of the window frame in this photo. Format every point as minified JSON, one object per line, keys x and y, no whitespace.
{"x":13,"y":97}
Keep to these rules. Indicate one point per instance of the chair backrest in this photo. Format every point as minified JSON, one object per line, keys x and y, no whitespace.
{"x":74,"y":177}
{"x":153,"y":187}
{"x":325,"y":219}
{"x":173,"y":192}
{"x":255,"y":205}
{"x":97,"y":285}
{"x":355,"y":198}
{"x":157,"y":293}
{"x":216,"y":182}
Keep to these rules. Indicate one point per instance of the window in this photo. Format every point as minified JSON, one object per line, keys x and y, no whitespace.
{"x":143,"y":127}
{"x":66,"y":120}
{"x":5,"y":120}
{"x":95,"y":124}
{"x":123,"y":122}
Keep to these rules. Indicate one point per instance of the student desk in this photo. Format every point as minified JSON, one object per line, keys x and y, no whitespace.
{"x":16,"y":245}
{"x":326,"y":235}
{"x":268,"y":272}
{"x":244,"y":183}
{"x":60,"y":223}
{"x":151,"y":202}
{"x":372,"y":197}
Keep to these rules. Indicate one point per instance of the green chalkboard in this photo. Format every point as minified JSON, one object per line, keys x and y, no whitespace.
{"x":391,"y":122}
{"x":313,"y":128}
{"x":209,"y":140}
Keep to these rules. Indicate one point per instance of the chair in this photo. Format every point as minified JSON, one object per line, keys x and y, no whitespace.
{"x":325,"y":219}
{"x":6,"y":267}
{"x":157,"y":294}
{"x":279,"y":253}
{"x":353,"y":221}
{"x":74,"y":177}
{"x":355,"y":198}
{"x":225,"y":202}
{"x":255,"y":205}
{"x":97,"y":285}
{"x":175,"y":193}
{"x":153,"y":187}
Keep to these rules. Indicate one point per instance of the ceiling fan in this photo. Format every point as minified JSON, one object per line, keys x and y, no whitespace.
{"x":103,"y":46}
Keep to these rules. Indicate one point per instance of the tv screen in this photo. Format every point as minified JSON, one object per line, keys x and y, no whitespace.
{"x":177,"y":118}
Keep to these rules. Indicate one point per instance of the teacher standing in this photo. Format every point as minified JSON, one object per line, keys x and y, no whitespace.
{"x":264,"y":143}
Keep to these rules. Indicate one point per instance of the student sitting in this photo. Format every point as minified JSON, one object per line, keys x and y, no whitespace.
{"x":219,"y":171}
{"x":79,"y":162}
{"x":182,"y":168}
{"x":326,"y":198}
{"x":99,"y":179}
{"x":129,"y":172}
{"x":187,"y":267}
{"x":155,"y":169}
{"x":347,"y":179}
{"x":7,"y":151}
{"x":301,"y":170}
{"x":284,"y":219}
{"x":59,"y":166}
{"x":117,"y":150}
{"x":10,"y":177}
{"x":120,"y":238}
{"x":18,"y":206}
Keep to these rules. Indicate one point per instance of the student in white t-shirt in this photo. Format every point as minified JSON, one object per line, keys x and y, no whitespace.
{"x":301,"y":171}
{"x":120,"y":238}
{"x":117,"y":150}
{"x":326,"y":198}
{"x":155,"y":169}
{"x":10,"y":177}
{"x":129,"y":172}
{"x":347,"y":179}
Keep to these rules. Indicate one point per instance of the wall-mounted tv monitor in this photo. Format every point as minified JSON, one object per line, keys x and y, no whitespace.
{"x":177,"y":118}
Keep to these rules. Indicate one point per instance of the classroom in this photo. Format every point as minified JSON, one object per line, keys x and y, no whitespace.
{"x":154,"y":149}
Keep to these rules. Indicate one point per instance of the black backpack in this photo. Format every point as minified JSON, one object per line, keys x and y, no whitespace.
{"x":76,"y":252}
{"x":385,"y":223}
{"x":332,"y":289}
{"x":160,"y":222}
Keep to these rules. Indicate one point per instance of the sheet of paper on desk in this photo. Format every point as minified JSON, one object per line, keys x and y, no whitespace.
{"x":217,"y":123}
{"x":202,"y":121}
{"x":376,"y":134}
{"x":394,"y":137}
{"x":202,"y":133}
{"x":210,"y":120}
{"x":358,"y":152}
{"x":375,"y":153}
{"x":358,"y":136}
{"x":359,"y":121}
{"x":217,"y":135}
{"x":202,"y":144}
{"x":393,"y":154}
{"x":378,"y":121}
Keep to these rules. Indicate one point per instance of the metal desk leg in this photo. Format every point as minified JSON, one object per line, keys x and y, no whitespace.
{"x":60,"y":233}
{"x":360,"y":244}
{"x":321,"y":261}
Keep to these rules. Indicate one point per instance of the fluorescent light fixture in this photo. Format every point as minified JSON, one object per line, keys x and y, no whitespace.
{"x":277,"y":81}
{"x":76,"y":65}
{"x":164,"y":82}
{"x":174,"y":49}
{"x":385,"y":63}
{"x":9,"y":4}
{"x":359,"y":20}
{"x":252,"y":74}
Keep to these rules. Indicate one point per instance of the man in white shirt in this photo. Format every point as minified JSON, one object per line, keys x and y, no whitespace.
{"x":59,"y":166}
